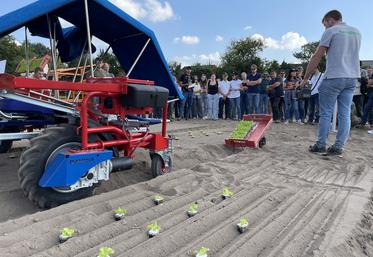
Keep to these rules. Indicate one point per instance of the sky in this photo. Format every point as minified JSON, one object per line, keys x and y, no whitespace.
{"x":199,"y":31}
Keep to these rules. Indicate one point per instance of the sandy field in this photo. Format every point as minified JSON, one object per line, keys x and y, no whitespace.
{"x":297,"y":203}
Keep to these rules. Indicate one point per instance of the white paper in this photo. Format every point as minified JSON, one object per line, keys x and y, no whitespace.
{"x":2,"y":66}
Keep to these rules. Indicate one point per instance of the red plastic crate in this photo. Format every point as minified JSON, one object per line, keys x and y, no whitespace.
{"x":262,"y":124}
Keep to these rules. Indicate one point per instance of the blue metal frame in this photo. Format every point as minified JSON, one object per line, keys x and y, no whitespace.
{"x":67,"y":168}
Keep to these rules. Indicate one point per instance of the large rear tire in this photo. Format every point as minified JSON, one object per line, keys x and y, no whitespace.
{"x":33,"y":162}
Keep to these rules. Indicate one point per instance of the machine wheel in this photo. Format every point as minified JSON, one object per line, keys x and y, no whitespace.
{"x":33,"y":162}
{"x":158,"y":166}
{"x":262,"y":142}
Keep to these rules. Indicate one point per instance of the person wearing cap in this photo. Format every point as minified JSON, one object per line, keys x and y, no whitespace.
{"x":234,"y":97}
{"x":264,"y":98}
{"x":341,"y":43}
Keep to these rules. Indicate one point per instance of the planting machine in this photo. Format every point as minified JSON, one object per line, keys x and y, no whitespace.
{"x":100,"y":133}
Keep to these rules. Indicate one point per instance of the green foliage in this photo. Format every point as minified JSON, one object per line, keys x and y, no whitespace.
{"x":158,"y":198}
{"x":112,"y":60}
{"x":154,"y":227}
{"x":105,"y":252}
{"x":193,"y":208}
{"x":67,"y":232}
{"x":243,"y":222}
{"x":227,"y":192}
{"x":120,"y":211}
{"x":242,"y":129}
{"x":241,"y":54}
{"x":270,"y":66}
{"x":306,"y":53}
{"x":11,"y":52}
{"x":203,"y":251}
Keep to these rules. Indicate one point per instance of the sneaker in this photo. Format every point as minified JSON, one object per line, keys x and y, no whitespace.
{"x":300,"y":122}
{"x":286,"y":122}
{"x":370,"y":132}
{"x":334,"y":151}
{"x":316,"y":149}
{"x":276,"y":121}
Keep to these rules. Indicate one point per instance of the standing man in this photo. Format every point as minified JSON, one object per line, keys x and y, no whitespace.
{"x":253,"y":90}
{"x":264,"y":99}
{"x":341,"y":43}
{"x":187,"y":88}
{"x":276,"y":90}
{"x":316,"y":80}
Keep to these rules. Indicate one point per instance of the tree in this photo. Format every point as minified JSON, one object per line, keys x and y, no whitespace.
{"x":10,"y":52}
{"x":175,"y":68}
{"x":271,"y":66}
{"x":112,"y":60}
{"x":306,"y":53}
{"x":241,"y":54}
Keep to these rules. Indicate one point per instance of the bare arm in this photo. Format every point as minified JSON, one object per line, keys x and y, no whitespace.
{"x":274,"y":85}
{"x":314,"y":61}
{"x":370,"y":82}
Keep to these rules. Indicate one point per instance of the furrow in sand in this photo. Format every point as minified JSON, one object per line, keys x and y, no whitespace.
{"x":138,"y":235}
{"x":319,"y":235}
{"x":83,"y":242}
{"x":277,"y":231}
{"x":260,"y":236}
{"x":84,"y":220}
{"x":224,"y":233}
{"x":197,"y":226}
{"x":74,"y":208}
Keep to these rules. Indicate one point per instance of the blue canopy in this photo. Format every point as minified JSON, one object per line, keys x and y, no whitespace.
{"x":125,"y":35}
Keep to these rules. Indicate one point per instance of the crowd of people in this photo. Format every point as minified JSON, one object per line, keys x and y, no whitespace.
{"x":280,"y":94}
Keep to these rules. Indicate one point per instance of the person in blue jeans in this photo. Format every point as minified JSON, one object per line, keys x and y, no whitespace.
{"x":291,"y":101}
{"x":253,"y":90}
{"x":264,"y":98}
{"x":186,"y":86}
{"x":234,"y":97}
{"x":341,"y":43}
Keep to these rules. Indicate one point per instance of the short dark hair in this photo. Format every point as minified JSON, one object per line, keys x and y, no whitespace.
{"x":38,"y":69}
{"x":334,"y":14}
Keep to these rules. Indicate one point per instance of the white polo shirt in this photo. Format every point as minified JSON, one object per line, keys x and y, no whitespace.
{"x":235,"y":86}
{"x":224,"y":87}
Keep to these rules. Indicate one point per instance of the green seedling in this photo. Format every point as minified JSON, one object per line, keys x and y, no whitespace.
{"x":242,"y":130}
{"x":119,"y":213}
{"x":243,"y":225}
{"x":153,"y":229}
{"x":158,"y":199}
{"x":202,"y":252}
{"x":193,"y":209}
{"x":105,"y":252}
{"x":227,"y":193}
{"x":65,"y":234}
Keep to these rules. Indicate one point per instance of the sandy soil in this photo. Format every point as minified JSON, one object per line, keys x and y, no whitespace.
{"x":297,"y":204}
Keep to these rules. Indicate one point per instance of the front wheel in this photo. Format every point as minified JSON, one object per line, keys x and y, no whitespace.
{"x":34,"y":161}
{"x":159,"y":167}
{"x":262,"y":142}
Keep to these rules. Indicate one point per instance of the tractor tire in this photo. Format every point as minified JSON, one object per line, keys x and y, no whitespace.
{"x":158,"y":166}
{"x":33,"y":162}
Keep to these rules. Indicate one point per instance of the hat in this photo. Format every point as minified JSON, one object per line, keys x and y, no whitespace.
{"x":188,"y":68}
{"x":299,"y":68}
{"x":234,"y":73}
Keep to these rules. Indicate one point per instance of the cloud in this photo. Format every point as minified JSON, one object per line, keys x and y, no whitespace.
{"x":248,"y":27}
{"x":153,"y":10}
{"x":188,"y":40}
{"x":219,"y":38}
{"x":288,"y":41}
{"x":158,"y":11}
{"x":208,"y":58}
